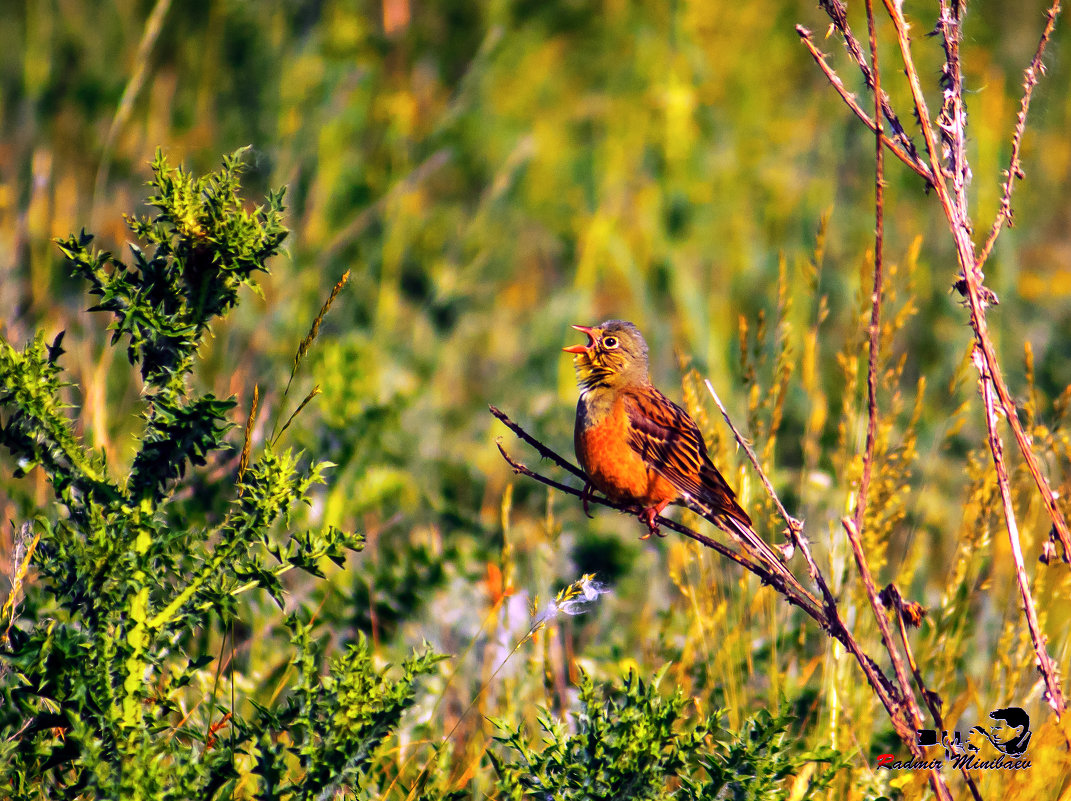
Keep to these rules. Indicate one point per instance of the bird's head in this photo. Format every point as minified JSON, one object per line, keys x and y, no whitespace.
{"x":614,"y":356}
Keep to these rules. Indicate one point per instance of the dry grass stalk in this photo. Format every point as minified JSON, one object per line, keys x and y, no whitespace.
{"x":949,"y":161}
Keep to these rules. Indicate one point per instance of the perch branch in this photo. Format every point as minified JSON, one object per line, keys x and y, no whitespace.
{"x":795,"y":527}
{"x":794,"y":593}
{"x":826,"y":616}
{"x":664,"y":522}
{"x":883,"y":687}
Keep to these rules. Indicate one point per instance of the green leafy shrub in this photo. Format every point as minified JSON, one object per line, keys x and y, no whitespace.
{"x":631,"y":742}
{"x":99,"y":678}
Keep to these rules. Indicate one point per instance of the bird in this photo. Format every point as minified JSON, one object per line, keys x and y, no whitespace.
{"x":638,"y":447}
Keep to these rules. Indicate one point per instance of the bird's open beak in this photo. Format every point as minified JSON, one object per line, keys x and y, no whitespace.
{"x":582,"y":348}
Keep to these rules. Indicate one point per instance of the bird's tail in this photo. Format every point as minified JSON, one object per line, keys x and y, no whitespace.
{"x":722,"y":510}
{"x":751,"y":541}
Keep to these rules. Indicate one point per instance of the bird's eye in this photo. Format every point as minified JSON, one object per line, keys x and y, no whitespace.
{"x":609,"y":342}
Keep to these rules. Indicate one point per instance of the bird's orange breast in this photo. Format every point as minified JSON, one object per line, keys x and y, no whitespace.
{"x":614,"y":468}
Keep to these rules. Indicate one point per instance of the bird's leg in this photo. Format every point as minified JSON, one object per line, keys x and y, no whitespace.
{"x":585,"y":496}
{"x":648,"y":516}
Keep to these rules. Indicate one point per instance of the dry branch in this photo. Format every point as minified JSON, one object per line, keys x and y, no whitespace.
{"x":951,"y":161}
{"x":826,"y":615}
{"x":793,"y":526}
{"x":910,"y":158}
{"x":1015,"y":170}
{"x":908,"y":612}
{"x":874,"y":329}
{"x":887,"y":693}
{"x":1053,"y":694}
{"x":838,"y":12}
{"x":978,"y":297}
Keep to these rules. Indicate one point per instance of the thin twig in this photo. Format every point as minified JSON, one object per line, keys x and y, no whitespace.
{"x":1026,"y":446}
{"x":854,"y":525}
{"x":883,"y":687}
{"x":1053,"y":694}
{"x":922,"y":111}
{"x":912,"y":161}
{"x":804,"y":600}
{"x":1015,"y":170}
{"x":838,"y":12}
{"x":827,"y":617}
{"x":914,"y":721}
{"x":794,"y":526}
{"x":544,"y":451}
{"x":891,"y":596}
{"x":874,"y":330}
{"x":521,"y":469}
{"x":985,"y":361}
{"x":977,"y":295}
{"x":952,"y":119}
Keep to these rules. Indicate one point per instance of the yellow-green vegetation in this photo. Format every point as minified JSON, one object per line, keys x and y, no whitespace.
{"x":489,"y":173}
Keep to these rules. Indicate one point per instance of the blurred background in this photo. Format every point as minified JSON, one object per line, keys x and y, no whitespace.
{"x":492,"y":172}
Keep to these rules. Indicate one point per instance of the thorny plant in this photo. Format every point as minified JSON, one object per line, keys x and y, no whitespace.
{"x":942,"y":164}
{"x":99,"y":679}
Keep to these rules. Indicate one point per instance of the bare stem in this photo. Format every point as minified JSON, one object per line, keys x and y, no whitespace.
{"x":1053,"y":694}
{"x":883,"y":688}
{"x":826,"y":616}
{"x":910,"y":158}
{"x":922,"y":111}
{"x":838,"y":12}
{"x":910,"y":705}
{"x":795,"y":527}
{"x":977,"y":295}
{"x":1015,"y":170}
{"x":891,"y":596}
{"x":874,"y":330}
{"x":952,"y":119}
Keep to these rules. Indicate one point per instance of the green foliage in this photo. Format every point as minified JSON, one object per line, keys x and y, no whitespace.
{"x":39,"y":433}
{"x":97,"y":684}
{"x":762,"y":762}
{"x":337,"y":722}
{"x":631,"y":742}
{"x":205,"y":247}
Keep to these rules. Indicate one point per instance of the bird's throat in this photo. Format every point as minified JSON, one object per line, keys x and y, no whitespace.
{"x":594,"y":405}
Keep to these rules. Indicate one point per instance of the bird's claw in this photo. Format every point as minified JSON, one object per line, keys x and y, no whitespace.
{"x":648,"y":516}
{"x":584,"y":497}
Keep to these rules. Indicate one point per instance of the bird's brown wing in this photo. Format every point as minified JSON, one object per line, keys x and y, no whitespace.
{"x":670,"y":442}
